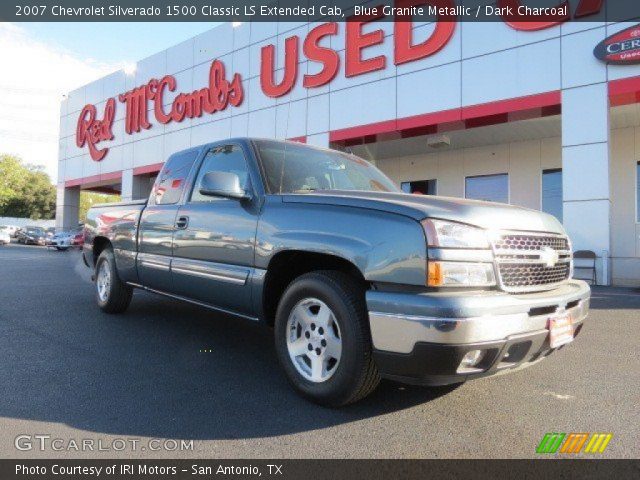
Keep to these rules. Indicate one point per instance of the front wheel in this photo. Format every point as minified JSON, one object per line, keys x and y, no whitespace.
{"x":323,"y":341}
{"x":112,"y":294}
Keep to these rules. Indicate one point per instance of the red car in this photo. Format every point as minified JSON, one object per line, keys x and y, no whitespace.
{"x":78,"y":239}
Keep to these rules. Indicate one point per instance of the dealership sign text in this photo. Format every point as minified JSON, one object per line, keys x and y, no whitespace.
{"x":215,"y":97}
{"x":220,"y":92}
{"x":621,"y":48}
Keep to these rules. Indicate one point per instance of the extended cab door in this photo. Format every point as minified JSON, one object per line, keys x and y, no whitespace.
{"x":158,"y":219}
{"x":214,"y":245}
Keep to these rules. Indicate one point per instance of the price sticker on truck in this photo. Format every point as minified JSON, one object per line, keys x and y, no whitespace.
{"x":560,"y":330}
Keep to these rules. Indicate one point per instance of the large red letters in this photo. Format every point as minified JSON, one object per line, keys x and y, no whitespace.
{"x":404,"y":49}
{"x":267,"y":68}
{"x":90,"y":130}
{"x":216,"y":96}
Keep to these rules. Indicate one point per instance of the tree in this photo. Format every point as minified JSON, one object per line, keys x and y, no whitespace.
{"x":88,"y":199}
{"x":25,"y":190}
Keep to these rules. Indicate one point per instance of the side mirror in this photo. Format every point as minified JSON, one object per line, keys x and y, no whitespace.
{"x":223,"y":184}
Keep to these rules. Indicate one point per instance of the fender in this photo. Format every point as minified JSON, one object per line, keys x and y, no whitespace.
{"x":390,"y":252}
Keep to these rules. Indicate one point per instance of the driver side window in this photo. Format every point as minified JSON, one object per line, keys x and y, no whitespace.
{"x":229,"y":159}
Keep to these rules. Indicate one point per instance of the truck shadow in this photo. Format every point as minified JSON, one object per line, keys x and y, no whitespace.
{"x":166,"y":369}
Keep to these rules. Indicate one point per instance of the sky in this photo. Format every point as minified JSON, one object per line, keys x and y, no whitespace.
{"x":43,"y":61}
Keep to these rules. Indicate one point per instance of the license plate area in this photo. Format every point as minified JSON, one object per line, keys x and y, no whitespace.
{"x":561,"y":330}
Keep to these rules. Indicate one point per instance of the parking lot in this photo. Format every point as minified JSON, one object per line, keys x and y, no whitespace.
{"x":169,"y":370}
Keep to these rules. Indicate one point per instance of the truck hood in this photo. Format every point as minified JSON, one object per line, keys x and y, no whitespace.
{"x":486,"y":215}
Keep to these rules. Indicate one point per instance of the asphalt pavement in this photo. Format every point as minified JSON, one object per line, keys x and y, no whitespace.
{"x":167,"y":370}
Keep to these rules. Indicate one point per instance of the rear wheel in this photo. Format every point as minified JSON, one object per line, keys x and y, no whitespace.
{"x":323,"y":340}
{"x":112,"y":294}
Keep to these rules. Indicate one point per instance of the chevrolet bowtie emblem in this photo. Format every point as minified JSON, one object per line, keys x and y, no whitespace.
{"x":549,"y":256}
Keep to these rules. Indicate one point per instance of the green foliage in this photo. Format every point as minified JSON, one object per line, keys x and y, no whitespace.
{"x":88,"y":199}
{"x":25,"y":190}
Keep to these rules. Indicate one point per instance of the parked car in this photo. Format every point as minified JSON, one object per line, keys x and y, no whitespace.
{"x":32,"y":236}
{"x":359,"y":280}
{"x":5,"y":237}
{"x":78,"y":238}
{"x":62,"y":241}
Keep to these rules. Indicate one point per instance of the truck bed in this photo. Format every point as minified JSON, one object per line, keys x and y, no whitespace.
{"x":117,"y":221}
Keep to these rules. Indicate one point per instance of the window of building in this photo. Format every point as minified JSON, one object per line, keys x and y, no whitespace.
{"x":229,"y":159}
{"x":422,"y":187}
{"x":172,"y":178}
{"x":552,"y":192}
{"x":490,"y":188}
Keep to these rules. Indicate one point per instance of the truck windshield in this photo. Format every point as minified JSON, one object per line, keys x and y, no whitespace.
{"x":292,"y":168}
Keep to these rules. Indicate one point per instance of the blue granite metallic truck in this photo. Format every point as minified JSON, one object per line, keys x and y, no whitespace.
{"x":358,"y":280}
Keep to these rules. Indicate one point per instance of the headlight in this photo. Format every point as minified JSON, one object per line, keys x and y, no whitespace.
{"x":460,"y":274}
{"x":441,"y":233}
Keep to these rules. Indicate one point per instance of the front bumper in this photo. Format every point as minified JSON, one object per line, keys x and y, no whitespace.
{"x":422,"y":338}
{"x":34,"y":241}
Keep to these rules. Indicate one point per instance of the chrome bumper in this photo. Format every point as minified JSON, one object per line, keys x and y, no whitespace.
{"x":399,"y":331}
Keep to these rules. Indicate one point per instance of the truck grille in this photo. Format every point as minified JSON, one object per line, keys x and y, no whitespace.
{"x":517,"y":275}
{"x":531,"y":242}
{"x":528,"y":262}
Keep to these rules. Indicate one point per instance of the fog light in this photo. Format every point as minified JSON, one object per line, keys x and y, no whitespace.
{"x":470,"y":360}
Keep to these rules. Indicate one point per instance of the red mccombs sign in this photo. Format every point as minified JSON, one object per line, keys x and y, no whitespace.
{"x":211,"y":99}
{"x":221,"y":92}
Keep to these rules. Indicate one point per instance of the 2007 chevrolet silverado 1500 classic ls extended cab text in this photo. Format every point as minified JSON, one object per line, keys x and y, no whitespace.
{"x":359,"y":280}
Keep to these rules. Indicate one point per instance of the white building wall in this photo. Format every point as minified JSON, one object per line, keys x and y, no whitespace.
{"x":522,"y":161}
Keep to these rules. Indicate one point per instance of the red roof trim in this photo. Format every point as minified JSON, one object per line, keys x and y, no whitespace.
{"x":363,"y":130}
{"x":103,"y":177}
{"x":153,"y":168}
{"x":531,"y":106}
{"x":624,"y":91}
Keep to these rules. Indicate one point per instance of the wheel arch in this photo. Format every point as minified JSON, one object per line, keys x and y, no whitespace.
{"x":287,"y":265}
{"x":100,"y":244}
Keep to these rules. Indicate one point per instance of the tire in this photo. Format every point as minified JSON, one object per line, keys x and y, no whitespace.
{"x":336,"y":383}
{"x":112,"y":294}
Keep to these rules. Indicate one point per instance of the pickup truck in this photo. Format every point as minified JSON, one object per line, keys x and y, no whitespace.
{"x":358,"y":280}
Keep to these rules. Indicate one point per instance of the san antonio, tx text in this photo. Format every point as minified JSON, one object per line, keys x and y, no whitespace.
{"x":144,"y":469}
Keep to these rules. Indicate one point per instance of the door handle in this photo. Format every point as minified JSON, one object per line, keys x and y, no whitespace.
{"x":182,"y":222}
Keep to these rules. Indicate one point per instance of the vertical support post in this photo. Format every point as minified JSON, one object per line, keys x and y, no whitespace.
{"x":585,"y":171}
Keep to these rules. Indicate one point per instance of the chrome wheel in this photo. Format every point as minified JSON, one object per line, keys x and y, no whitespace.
{"x":314,"y":341}
{"x":103,"y":281}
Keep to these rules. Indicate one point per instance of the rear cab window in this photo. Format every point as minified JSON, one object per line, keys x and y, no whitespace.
{"x":172,"y":178}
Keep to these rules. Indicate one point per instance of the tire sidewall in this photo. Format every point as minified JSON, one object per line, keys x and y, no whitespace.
{"x":337,"y":388}
{"x":105,"y":256}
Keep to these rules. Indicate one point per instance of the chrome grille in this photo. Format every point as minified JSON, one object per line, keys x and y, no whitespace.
{"x":530,"y":242}
{"x":528,"y":262}
{"x":521,"y":276}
